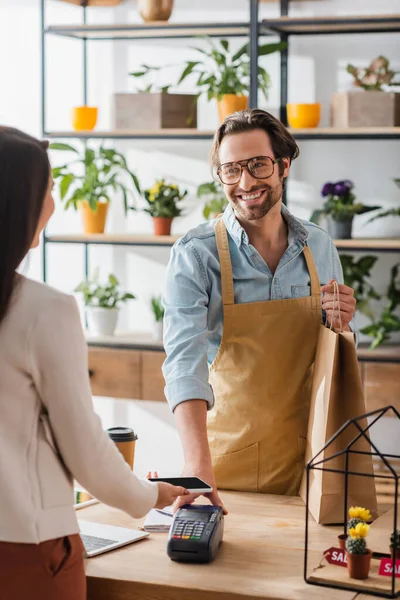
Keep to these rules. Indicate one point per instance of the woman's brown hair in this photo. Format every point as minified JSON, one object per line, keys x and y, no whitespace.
{"x":24,"y":177}
{"x":282,"y":142}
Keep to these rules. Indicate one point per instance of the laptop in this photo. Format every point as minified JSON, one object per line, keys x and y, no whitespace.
{"x":98,"y":538}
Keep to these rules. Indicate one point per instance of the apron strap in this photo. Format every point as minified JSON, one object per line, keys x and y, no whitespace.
{"x":312,"y":270}
{"x":225,"y":262}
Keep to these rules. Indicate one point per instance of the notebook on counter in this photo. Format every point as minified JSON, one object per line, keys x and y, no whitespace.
{"x":158,"y":520}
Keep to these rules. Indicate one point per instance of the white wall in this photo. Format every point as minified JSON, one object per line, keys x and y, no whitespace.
{"x":316,"y":69}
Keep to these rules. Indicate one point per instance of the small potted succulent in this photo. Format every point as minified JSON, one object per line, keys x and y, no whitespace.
{"x":158,"y":313}
{"x":395,"y":545}
{"x":357,"y":554}
{"x":372,"y":104}
{"x":340,"y":208}
{"x":215,"y":198}
{"x":162,"y":200}
{"x":357,"y":515}
{"x":102,"y":303}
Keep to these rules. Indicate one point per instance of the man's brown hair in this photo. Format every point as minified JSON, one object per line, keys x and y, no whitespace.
{"x":282,"y":142}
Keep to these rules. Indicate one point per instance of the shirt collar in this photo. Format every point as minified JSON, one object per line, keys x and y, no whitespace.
{"x":296,"y":230}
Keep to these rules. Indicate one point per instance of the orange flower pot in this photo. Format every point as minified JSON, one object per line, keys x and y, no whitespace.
{"x":303,"y":116}
{"x":342,"y":541}
{"x":94,"y":221}
{"x":84,"y":118}
{"x":358,"y":565}
{"x":162,"y":225}
{"x":231,"y":103}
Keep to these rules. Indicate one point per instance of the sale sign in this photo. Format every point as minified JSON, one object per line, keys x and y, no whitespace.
{"x":386,"y":567}
{"x":336,"y":556}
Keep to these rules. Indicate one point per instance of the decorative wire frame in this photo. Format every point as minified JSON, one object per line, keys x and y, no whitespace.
{"x":313,"y":465}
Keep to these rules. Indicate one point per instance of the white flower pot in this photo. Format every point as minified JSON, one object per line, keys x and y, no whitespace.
{"x":101,"y":321}
{"x":158,"y":330}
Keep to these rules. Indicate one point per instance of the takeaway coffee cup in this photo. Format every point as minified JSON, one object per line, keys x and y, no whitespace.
{"x":124,"y":438}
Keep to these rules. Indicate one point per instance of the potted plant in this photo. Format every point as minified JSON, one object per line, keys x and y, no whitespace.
{"x":225,"y":75}
{"x":158,"y":313}
{"x":339,"y":208}
{"x":215,"y":198}
{"x":102,"y":303}
{"x":162,"y":200}
{"x":357,"y":514}
{"x":99,"y":175}
{"x":370,"y":105}
{"x":355,"y":275}
{"x":152,"y":106}
{"x":395,"y":545}
{"x":155,"y":10}
{"x":357,"y":554}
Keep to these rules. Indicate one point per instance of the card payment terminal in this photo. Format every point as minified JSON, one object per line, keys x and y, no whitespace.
{"x":196,"y":533}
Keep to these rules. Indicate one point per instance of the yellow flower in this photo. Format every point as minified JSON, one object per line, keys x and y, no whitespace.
{"x":173,"y":186}
{"x":358,"y":512}
{"x":359,"y":531}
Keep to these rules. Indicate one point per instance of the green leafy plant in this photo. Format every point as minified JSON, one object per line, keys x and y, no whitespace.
{"x":375,"y":76}
{"x":149,"y":74}
{"x":395,"y":540}
{"x":97,"y":295}
{"x":100,"y":175}
{"x":216,"y":201}
{"x":163,"y":198}
{"x":355,"y":275}
{"x":391,"y":212}
{"x":158,"y":309}
{"x":219,"y":71}
{"x":388,"y":322}
{"x":340,"y":203}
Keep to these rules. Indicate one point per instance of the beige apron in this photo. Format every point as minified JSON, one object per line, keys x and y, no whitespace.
{"x":261,"y":378}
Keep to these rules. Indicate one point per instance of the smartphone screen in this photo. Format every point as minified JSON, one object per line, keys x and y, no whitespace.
{"x":190,"y":483}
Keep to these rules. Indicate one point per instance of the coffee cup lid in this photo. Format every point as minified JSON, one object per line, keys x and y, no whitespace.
{"x":122,"y":434}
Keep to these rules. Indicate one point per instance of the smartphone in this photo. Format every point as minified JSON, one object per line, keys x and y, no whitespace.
{"x":193,"y":484}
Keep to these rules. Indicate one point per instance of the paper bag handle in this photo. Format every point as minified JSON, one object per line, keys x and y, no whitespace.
{"x":335,"y":299}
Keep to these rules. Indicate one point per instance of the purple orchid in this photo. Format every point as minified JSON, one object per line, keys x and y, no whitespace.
{"x":327,"y":189}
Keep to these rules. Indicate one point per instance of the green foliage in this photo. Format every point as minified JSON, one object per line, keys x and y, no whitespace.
{"x":356,"y":545}
{"x":388,"y":322}
{"x":102,"y":296}
{"x":158,"y":309}
{"x":395,"y":540}
{"x":216,"y":201}
{"x":150,"y":75}
{"x":100,"y":176}
{"x":341,"y":209}
{"x":163,"y":200}
{"x":391,"y":212}
{"x":219,"y":71}
{"x":355,"y":274}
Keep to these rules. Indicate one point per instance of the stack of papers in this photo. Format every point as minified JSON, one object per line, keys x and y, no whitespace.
{"x":159,"y":520}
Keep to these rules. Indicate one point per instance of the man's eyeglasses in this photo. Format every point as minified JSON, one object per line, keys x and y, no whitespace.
{"x":260,"y":167}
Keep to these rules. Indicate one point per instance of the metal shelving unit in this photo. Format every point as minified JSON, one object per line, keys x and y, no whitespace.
{"x":284,"y":27}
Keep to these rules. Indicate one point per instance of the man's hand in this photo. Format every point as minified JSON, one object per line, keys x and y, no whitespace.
{"x":205,"y":472}
{"x":347,"y":304}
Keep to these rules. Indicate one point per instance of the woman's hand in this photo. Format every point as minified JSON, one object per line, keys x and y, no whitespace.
{"x":167,"y":493}
{"x":330,"y":303}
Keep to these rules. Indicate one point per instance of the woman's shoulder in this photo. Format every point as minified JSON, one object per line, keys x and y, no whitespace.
{"x":38,"y":298}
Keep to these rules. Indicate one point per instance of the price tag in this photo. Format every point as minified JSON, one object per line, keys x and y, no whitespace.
{"x":336,"y":556}
{"x":386,"y":567}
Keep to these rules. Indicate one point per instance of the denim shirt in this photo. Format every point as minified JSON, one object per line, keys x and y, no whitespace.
{"x":193,"y":320}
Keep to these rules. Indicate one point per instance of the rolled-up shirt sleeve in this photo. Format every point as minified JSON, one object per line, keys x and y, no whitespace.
{"x":185,"y":327}
{"x":338,"y":275}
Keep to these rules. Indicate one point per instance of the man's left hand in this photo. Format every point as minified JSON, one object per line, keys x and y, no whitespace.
{"x":347,"y":304}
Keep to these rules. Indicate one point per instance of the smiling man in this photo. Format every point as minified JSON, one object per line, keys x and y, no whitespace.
{"x":244,"y":302}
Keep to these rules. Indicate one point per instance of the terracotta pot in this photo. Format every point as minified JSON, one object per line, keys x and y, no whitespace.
{"x":93,"y":221}
{"x":162,"y":225}
{"x":342,"y":541}
{"x":231,"y":103}
{"x":395,"y":553}
{"x":84,"y":118}
{"x":155,"y":10}
{"x":358,"y":564}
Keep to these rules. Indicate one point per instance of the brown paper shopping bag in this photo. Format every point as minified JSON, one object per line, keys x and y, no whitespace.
{"x":337,"y":396}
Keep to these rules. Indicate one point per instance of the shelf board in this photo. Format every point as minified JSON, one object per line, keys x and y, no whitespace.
{"x":157,"y":30}
{"x":377,"y":244}
{"x":115,"y":239}
{"x":332,"y":24}
{"x":144,"y":341}
{"x":144,"y":134}
{"x":317,"y":133}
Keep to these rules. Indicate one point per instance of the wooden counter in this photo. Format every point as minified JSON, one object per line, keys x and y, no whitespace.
{"x":261,"y":557}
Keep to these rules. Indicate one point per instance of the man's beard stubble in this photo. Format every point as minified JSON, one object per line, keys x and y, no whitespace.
{"x":252,"y":213}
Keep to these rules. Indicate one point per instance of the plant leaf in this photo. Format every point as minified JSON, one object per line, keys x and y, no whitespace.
{"x":65,"y":147}
{"x":190,"y":65}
